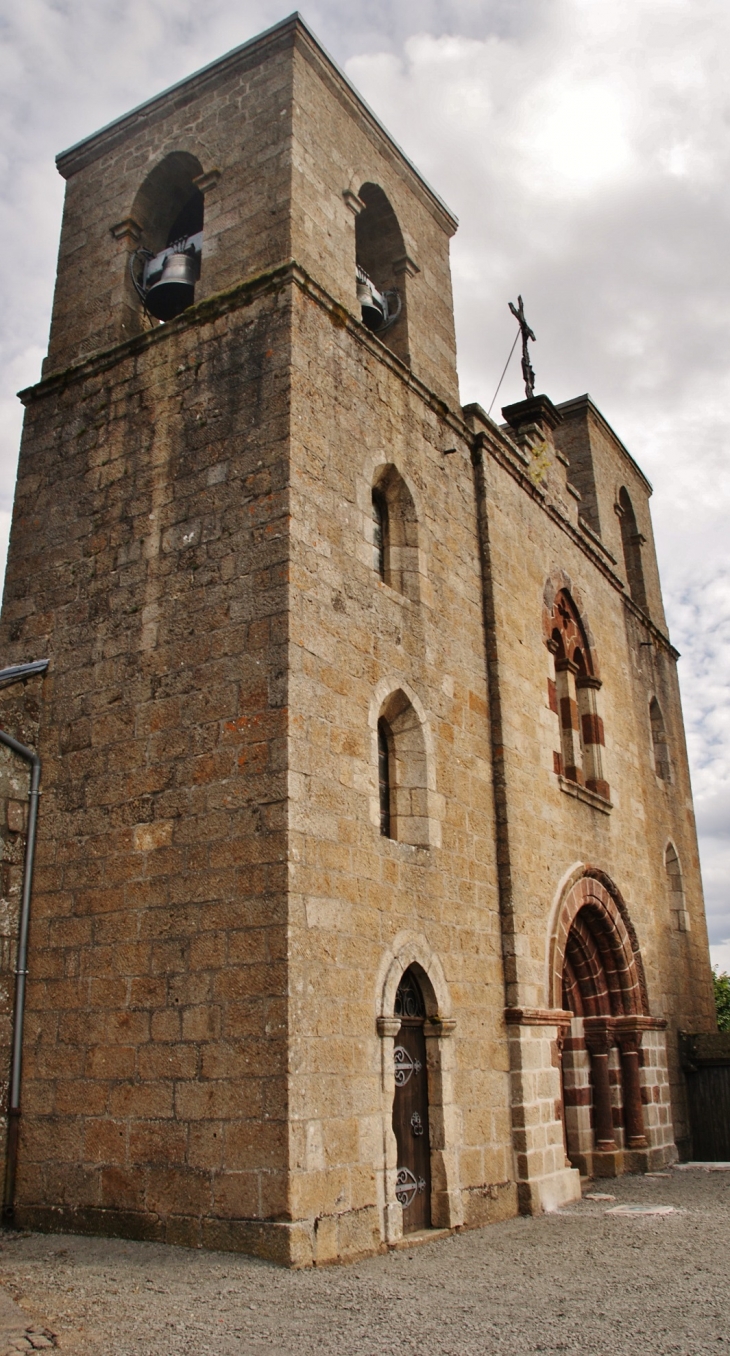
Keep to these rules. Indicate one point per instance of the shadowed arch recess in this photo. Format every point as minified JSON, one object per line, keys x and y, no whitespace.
{"x":595,"y":964}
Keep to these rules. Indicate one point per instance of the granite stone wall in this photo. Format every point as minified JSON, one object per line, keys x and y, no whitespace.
{"x":219,"y":925}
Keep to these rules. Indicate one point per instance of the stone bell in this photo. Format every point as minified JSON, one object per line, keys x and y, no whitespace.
{"x":176,"y":289}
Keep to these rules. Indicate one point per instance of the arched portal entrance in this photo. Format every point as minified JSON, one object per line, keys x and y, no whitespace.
{"x":598,"y":977}
{"x":410,"y":1106}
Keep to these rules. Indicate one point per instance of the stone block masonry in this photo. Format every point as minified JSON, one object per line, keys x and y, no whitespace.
{"x":354,"y":700}
{"x":159,"y":976}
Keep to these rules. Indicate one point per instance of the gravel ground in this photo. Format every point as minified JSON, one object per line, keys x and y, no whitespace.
{"x":581,"y":1281}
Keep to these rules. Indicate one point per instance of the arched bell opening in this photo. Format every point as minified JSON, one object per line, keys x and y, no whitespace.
{"x":379,"y":251}
{"x":632,"y":541}
{"x":601,"y":1057}
{"x":169,"y":211}
{"x":410,"y":1105}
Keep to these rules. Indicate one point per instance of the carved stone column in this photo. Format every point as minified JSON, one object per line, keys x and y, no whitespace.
{"x":629,"y":1043}
{"x":444,"y":1124}
{"x":599,"y":1039}
{"x":560,"y":1039}
{"x":565,"y":672}
{"x":592,"y":731}
{"x":388,"y":1028}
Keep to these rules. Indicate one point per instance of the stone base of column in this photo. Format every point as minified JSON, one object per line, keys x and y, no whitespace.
{"x":619,"y":1161}
{"x":608,"y":1164}
{"x":649,"y":1160}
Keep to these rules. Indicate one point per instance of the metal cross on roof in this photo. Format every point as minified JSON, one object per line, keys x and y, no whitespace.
{"x":527,"y":369}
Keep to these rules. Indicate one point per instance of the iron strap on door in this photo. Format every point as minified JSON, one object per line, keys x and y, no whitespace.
{"x":410,"y":1107}
{"x":407,"y":1186}
{"x":405,"y":1065}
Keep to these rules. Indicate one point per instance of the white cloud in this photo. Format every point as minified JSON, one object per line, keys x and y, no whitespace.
{"x":588,"y":159}
{"x":584,"y":144}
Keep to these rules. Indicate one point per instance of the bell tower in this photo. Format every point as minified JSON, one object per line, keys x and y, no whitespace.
{"x":233,"y":254}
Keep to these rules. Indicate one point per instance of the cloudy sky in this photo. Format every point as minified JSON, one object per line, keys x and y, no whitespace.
{"x":585,"y":147}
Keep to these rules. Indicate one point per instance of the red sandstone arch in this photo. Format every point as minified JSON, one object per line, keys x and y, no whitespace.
{"x":595,"y":962}
{"x":562,"y":596}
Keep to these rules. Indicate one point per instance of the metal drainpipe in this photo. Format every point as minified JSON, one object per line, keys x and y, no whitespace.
{"x":10,"y":675}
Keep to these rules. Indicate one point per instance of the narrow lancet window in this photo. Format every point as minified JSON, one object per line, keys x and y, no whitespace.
{"x":662,"y":762}
{"x":384,"y":779}
{"x":380,"y":532}
{"x":676,"y":888}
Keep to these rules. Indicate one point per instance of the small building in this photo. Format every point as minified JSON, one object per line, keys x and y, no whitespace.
{"x":367,"y":896}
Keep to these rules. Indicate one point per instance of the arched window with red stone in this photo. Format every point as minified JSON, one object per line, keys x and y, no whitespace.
{"x":574,"y":698}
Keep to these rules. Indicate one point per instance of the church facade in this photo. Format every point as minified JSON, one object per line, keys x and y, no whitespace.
{"x":366,"y":894}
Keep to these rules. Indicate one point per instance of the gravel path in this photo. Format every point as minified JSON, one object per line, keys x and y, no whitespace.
{"x":581,"y":1281}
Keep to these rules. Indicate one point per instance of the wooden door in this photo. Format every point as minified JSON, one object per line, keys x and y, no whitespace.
{"x":410,"y":1111}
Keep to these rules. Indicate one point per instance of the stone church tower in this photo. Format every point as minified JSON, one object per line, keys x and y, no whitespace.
{"x":366,"y":895}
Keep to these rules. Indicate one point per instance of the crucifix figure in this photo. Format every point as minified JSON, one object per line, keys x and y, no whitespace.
{"x":527,"y":370}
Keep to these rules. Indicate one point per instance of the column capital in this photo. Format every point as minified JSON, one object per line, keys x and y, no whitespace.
{"x":628,"y":1041}
{"x":355,"y":204}
{"x":205,"y":182}
{"x":405,"y":265}
{"x":440,"y":1027}
{"x":128,"y":229}
{"x":599,"y":1037}
{"x":388,"y":1026}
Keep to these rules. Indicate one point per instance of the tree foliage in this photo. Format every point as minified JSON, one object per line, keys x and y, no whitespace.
{"x":722,"y":1000}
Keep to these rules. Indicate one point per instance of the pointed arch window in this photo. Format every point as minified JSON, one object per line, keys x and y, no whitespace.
{"x":403,"y":795}
{"x":660,"y":744}
{"x":395,"y":533}
{"x":576,"y":686}
{"x":675,"y":883}
{"x":380,"y":532}
{"x":384,"y":739}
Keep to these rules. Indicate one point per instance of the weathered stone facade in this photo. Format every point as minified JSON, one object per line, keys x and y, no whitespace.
{"x":221,"y":915}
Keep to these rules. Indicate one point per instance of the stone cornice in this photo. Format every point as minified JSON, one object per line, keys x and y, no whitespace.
{"x":506,"y":458}
{"x":650,"y":626}
{"x":537,"y":1016}
{"x":495,"y":441}
{"x":204,"y":313}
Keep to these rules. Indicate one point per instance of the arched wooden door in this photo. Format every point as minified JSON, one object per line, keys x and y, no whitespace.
{"x":410,"y":1107}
